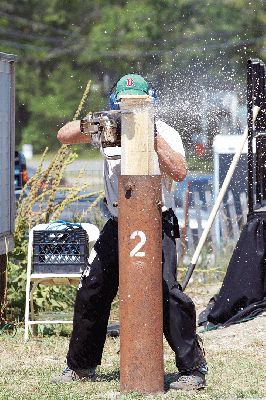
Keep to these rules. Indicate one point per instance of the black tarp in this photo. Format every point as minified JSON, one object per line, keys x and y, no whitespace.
{"x":243,"y":292}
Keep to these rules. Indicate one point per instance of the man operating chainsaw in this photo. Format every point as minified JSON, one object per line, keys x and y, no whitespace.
{"x":99,"y":282}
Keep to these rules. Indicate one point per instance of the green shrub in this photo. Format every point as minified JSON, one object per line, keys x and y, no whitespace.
{"x":41,"y":190}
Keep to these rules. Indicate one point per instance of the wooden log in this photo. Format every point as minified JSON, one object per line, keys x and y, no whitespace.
{"x":138,"y":156}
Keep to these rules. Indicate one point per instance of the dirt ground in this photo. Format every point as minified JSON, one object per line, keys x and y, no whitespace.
{"x":235,"y":336}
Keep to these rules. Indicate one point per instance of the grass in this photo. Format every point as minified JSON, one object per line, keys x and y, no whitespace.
{"x":201,"y":164}
{"x":236,"y":358}
{"x":27,"y":369}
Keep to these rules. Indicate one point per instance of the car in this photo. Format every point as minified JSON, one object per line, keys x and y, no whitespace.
{"x":77,"y":210}
{"x":20,"y":173}
{"x":194,"y":182}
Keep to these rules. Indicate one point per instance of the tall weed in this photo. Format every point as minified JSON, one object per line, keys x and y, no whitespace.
{"x":38,"y":204}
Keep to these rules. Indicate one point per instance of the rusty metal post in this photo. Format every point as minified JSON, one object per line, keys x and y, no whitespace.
{"x":140,"y":252}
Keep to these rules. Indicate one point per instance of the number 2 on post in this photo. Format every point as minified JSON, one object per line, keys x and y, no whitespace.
{"x":135,"y":252}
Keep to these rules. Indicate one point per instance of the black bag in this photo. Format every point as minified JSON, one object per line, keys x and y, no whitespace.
{"x":243,"y":292}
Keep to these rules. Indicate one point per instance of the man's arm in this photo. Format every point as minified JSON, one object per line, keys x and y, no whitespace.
{"x":70,"y":134}
{"x":171,"y":162}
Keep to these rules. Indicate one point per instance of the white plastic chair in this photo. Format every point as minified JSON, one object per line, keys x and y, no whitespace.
{"x":49,"y":278}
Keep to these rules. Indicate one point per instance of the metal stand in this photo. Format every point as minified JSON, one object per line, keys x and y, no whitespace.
{"x":256,"y":96}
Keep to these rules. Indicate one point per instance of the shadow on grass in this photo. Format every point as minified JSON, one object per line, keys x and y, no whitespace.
{"x":108,"y":377}
{"x":115,"y":376}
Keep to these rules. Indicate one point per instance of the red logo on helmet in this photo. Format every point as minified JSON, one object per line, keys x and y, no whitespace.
{"x":129,"y":82}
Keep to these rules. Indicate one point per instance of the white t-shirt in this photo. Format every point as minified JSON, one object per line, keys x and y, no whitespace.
{"x":112,"y":170}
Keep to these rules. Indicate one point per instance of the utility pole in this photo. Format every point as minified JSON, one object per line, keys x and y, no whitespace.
{"x":7,"y":162}
{"x":140,"y":251}
{"x":3,"y":286}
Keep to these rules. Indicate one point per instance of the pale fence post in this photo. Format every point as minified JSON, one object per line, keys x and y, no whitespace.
{"x":224,"y":225}
{"x":214,"y":238}
{"x":198,"y":207}
{"x":244,"y":206}
{"x":233,"y":216}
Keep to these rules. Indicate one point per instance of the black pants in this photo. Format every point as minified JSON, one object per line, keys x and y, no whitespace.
{"x":97,"y":289}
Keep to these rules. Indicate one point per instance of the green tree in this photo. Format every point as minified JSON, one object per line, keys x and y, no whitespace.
{"x":62,"y":44}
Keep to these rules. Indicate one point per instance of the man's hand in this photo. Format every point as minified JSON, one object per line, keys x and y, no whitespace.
{"x":172,"y":163}
{"x":70,"y":134}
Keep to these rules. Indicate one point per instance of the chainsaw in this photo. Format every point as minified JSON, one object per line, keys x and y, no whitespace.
{"x":104,"y":128}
